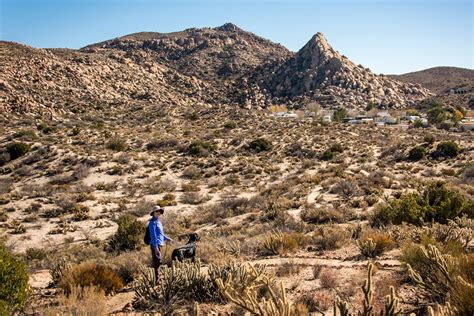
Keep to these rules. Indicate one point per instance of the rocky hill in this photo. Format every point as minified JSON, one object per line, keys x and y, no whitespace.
{"x":217,"y":66}
{"x":451,"y":85}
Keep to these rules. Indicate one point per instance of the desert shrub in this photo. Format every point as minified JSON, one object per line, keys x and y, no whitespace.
{"x":436,"y":202}
{"x":35,"y":254}
{"x":91,"y":273}
{"x":117,"y":144}
{"x":446,"y":149}
{"x":346,"y":189}
{"x":278,"y":243}
{"x":13,"y":282}
{"x":332,"y":151}
{"x":168,"y":199}
{"x":129,"y":235}
{"x":164,"y":185}
{"x":322,"y":214}
{"x":260,"y":144}
{"x":416,"y":153}
{"x":230,"y":125}
{"x":192,"y":172}
{"x":201,"y":148}
{"x":17,"y":149}
{"x":25,"y":133}
{"x":46,"y":129}
{"x":192,"y":198}
{"x":339,"y":114}
{"x":128,"y":264}
{"x":437,"y":113}
{"x":141,"y":208}
{"x":329,"y":238}
{"x":329,"y":279}
{"x":375,"y":244}
{"x":81,"y":301}
{"x":168,"y":143}
{"x":429,"y":138}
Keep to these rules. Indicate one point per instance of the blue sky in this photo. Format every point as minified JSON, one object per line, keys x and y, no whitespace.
{"x":387,"y":36}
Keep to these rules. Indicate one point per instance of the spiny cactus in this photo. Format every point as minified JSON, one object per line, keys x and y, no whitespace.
{"x":186,"y":281}
{"x":273,"y":242}
{"x":440,"y":310}
{"x":58,"y":269}
{"x":277,"y":305}
{"x":181,"y":281}
{"x":232,"y":248}
{"x":390,"y":307}
{"x":238,"y":275}
{"x":446,"y":278}
{"x":437,"y":277}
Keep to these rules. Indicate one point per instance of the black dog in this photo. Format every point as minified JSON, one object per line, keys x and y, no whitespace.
{"x":187,"y":251}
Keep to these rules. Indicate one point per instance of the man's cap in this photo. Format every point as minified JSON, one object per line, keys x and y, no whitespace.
{"x":157,"y":208}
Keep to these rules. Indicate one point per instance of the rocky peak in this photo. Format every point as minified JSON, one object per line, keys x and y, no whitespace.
{"x":228,"y":27}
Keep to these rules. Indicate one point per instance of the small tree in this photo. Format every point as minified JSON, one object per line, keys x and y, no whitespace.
{"x":129,"y":235}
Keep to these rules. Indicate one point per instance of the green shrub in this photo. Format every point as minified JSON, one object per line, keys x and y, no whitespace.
{"x":339,"y":114}
{"x":332,"y":151}
{"x":13,"y":282}
{"x":117,"y":144}
{"x":437,"y":113}
{"x":230,"y":125}
{"x":46,"y":129}
{"x":129,"y":235}
{"x":416,"y":153}
{"x":436,"y":202}
{"x":446,"y":149}
{"x":91,"y":274}
{"x":201,"y":148}
{"x":260,"y":144}
{"x":17,"y":149}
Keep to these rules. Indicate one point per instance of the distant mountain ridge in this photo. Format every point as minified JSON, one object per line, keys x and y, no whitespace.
{"x":209,"y":66}
{"x":452,"y":85}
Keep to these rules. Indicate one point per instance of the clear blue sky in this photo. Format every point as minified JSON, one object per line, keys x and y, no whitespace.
{"x":388,"y":36}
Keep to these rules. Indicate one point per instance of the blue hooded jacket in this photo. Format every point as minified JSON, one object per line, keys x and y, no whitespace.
{"x":157,"y":235}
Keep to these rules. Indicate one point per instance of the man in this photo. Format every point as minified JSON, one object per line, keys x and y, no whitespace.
{"x":157,"y":237}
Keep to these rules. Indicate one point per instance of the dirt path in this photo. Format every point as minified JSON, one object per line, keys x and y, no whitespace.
{"x":335,"y":263}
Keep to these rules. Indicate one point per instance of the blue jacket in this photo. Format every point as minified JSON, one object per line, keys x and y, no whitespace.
{"x":157,"y":235}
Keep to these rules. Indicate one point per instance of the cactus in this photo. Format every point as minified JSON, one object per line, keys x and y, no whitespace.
{"x":277,"y":305}
{"x":446,"y":279}
{"x":440,"y":310}
{"x":184,"y":281}
{"x":390,"y":307}
{"x":232,"y":248}
{"x":238,"y":275}
{"x":58,"y":269}
{"x":437,"y":272}
{"x":273,"y":243}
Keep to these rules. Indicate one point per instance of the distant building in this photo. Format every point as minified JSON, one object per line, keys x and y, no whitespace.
{"x":385,"y":117}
